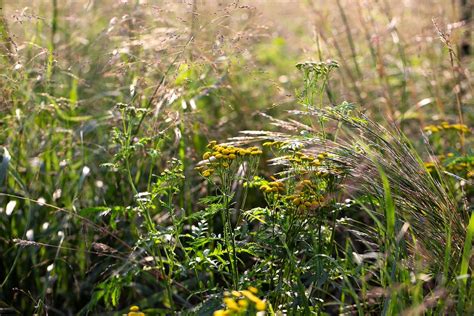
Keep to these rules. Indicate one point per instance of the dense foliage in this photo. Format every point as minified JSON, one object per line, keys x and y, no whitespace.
{"x":231,"y":158}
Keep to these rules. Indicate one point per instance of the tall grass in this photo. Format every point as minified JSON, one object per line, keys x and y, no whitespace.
{"x":124,"y":180}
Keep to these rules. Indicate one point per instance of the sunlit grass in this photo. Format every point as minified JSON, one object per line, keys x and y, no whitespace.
{"x":235,"y":158}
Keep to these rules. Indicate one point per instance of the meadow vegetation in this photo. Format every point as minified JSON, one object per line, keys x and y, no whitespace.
{"x":227,"y":157}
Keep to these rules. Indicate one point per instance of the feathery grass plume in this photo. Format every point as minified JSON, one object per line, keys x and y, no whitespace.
{"x":363,"y":148}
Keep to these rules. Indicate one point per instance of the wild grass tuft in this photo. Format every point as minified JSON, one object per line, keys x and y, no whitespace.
{"x":236,"y":158}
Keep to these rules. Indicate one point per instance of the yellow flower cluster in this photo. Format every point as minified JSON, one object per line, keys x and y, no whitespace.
{"x":306,"y":197}
{"x":304,"y":203}
{"x":223,"y":156}
{"x":276,"y":144}
{"x":300,"y":157}
{"x":446,"y":126}
{"x":461,"y":164}
{"x":238,"y":302}
{"x":135,"y":311}
{"x":229,"y":152}
{"x":208,"y":172}
{"x":273,"y":187}
{"x":453,"y":163}
{"x":306,"y":185}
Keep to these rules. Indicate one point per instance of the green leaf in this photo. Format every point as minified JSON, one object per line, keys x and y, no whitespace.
{"x":467,"y":251}
{"x":389,"y":205}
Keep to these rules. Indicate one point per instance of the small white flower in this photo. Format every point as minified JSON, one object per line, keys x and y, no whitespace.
{"x":85,"y":171}
{"x":57,"y":194}
{"x":18,"y":114}
{"x":45,"y":226}
{"x":30,"y":234}
{"x":192,"y":102}
{"x":41,"y":201}
{"x":50,"y":267}
{"x":10,"y":207}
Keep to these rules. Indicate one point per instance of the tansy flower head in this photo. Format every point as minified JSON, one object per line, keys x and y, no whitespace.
{"x":243,"y":304}
{"x":221,"y":312}
{"x":231,"y":304}
{"x":207,"y":173}
{"x":236,"y":294}
{"x":253,"y":289}
{"x":259,"y":304}
{"x":135,"y":311}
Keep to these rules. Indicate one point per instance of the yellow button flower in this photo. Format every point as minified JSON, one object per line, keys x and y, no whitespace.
{"x":231,"y":304}
{"x":135,"y":311}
